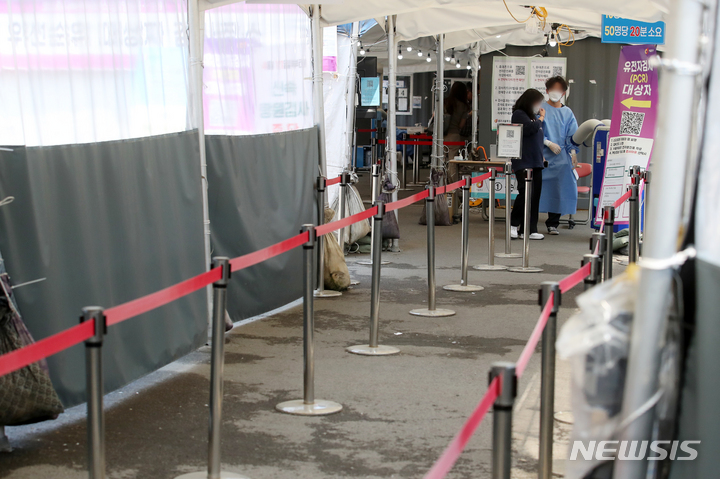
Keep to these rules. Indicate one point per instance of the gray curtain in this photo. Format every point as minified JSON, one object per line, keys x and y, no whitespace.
{"x":106,"y":223}
{"x":261,"y":192}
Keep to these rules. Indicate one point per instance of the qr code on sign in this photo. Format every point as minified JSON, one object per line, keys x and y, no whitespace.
{"x":519,"y":69}
{"x":557,"y":71}
{"x":631,"y":123}
{"x":510,"y":134}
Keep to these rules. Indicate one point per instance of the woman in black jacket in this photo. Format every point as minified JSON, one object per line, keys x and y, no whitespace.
{"x":528,"y":112}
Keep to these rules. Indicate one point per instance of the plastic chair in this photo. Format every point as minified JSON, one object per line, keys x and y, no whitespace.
{"x":584,"y":170}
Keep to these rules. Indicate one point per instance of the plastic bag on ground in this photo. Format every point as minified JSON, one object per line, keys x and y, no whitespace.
{"x":336,"y":274}
{"x":353,"y":205}
{"x":596,"y":341}
{"x":442,"y":213}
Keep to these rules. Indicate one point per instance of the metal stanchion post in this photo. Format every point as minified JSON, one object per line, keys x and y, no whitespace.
{"x":94,"y":391}
{"x":216,"y":376}
{"x":321,"y":292}
{"x":595,"y":274}
{"x":634,"y":223}
{"x":597,"y":244}
{"x":526,"y":268}
{"x":609,"y":226}
{"x":373,"y":148}
{"x":508,"y":199}
{"x":647,"y":177}
{"x":344,"y":180}
{"x":403,"y":178}
{"x":491,"y":266}
{"x":308,"y":405}
{"x":416,"y":166}
{"x":375,"y":193}
{"x":464,"y":243}
{"x":373,"y":348}
{"x":502,"y":419}
{"x":547,"y":381}
{"x":431,"y":311}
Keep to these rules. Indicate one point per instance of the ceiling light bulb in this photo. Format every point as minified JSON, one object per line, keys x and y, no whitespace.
{"x":497,"y":36}
{"x":419,"y":53}
{"x":400,"y":55}
{"x":468,"y":66}
{"x":428,"y":58}
{"x":409,"y":48}
{"x":457,"y":64}
{"x":362,"y":49}
{"x":447,"y":57}
{"x":552,"y":41}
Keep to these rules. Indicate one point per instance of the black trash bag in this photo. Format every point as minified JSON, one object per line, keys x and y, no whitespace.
{"x":442,"y":213}
{"x":390,"y":227}
{"x":26,"y":395}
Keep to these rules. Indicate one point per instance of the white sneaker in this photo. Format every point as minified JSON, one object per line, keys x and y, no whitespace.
{"x":537,"y":236}
{"x":513,"y":232}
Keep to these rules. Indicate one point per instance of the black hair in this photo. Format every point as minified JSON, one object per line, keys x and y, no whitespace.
{"x":526,"y":101}
{"x":458,"y":93}
{"x":552,"y":81}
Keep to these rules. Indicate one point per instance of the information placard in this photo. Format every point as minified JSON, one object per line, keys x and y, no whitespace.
{"x":624,"y":30}
{"x":370,"y":91}
{"x":513,"y":75}
{"x":509,"y":140}
{"x":632,"y":130}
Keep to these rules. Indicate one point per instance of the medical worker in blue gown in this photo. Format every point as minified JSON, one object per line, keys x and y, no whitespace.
{"x":559,"y":187}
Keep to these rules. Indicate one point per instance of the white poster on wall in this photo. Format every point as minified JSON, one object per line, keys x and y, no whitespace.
{"x":330,"y":49}
{"x":513,"y":75}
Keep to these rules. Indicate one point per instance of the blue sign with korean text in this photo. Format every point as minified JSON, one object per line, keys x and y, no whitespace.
{"x":623,"y":30}
{"x":370,"y":91}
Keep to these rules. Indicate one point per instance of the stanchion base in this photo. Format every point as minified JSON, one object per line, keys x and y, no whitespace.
{"x":320,"y":407}
{"x":508,"y":255}
{"x":405,"y":189}
{"x":366,"y":350}
{"x":370,"y":262}
{"x":490,"y":267}
{"x":522,"y":269}
{"x":435,"y":313}
{"x":354,"y":282}
{"x":326,"y":293}
{"x":204,"y":475}
{"x":463,"y":287}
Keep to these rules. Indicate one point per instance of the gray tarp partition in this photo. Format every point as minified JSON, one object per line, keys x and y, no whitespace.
{"x":261,"y":191}
{"x":106,"y":223}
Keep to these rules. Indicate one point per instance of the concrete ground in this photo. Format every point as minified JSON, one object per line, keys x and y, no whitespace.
{"x":399,"y":412}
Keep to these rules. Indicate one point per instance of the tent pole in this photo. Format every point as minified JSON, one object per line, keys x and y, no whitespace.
{"x":351,"y":93}
{"x":196,"y":28}
{"x":318,"y":101}
{"x":391,"y":142}
{"x":475,"y":61}
{"x":678,"y":99}
{"x":438,"y":148}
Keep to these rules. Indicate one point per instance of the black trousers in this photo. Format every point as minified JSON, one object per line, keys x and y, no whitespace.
{"x":517,"y":217}
{"x":553,"y":220}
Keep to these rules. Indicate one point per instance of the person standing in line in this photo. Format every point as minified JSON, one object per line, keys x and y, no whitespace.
{"x":528,"y":111}
{"x":559,"y":193}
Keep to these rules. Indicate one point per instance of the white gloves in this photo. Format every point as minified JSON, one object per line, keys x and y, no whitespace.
{"x":574,"y":160}
{"x":554,"y":147}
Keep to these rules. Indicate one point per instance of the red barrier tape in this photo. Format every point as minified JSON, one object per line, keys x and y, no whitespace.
{"x":46,"y":347}
{"x":250,"y":259}
{"x":481,"y":178}
{"x":622,"y":199}
{"x":336,"y":225}
{"x":451,"y":454}
{"x":454,"y":186}
{"x":569,"y":282}
{"x":147,"y":303}
{"x":401,"y":142}
{"x":396,"y":205}
{"x":334,"y":181}
{"x":366,"y":130}
{"x":529,"y":349}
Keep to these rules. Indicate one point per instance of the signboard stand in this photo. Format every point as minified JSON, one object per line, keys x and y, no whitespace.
{"x":509,"y":147}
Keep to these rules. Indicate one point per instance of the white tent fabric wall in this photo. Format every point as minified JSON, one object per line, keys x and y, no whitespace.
{"x":75,"y":71}
{"x":257,"y":69}
{"x":335,"y":85}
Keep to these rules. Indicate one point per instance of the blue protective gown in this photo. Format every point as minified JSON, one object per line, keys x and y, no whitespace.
{"x":559,"y":190}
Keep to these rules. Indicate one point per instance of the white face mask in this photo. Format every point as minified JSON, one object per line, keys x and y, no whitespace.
{"x":536,"y":109}
{"x":555,"y":96}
